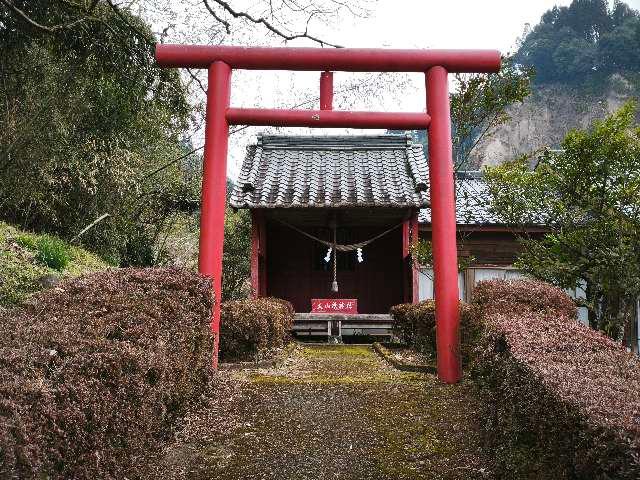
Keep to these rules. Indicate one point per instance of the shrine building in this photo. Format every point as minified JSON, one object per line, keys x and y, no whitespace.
{"x":366,"y":198}
{"x":311,"y":196}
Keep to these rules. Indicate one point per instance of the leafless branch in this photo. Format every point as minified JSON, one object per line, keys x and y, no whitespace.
{"x":195,"y":78}
{"x":261,"y":20}
{"x":146,"y":37}
{"x":236,"y":130}
{"x":227,"y":25}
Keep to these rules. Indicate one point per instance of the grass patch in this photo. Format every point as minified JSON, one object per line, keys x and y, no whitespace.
{"x":53,"y":252}
{"x":323,"y":351}
{"x":29,"y":262}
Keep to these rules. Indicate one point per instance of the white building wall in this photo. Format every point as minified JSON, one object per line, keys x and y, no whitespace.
{"x":425,"y":285}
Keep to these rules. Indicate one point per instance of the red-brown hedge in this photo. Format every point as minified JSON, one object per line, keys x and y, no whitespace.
{"x":251,"y":327}
{"x":415,"y":324}
{"x":517,"y":296}
{"x":562,"y":401}
{"x":94,"y":372}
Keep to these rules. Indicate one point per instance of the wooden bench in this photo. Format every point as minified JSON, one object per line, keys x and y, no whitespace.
{"x":340,"y":325}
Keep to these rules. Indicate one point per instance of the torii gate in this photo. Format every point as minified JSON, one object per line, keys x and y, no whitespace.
{"x":435,"y":64}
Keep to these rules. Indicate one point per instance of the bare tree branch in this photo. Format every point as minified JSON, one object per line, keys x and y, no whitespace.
{"x":263,"y":21}
{"x":195,"y":78}
{"x":227,"y":25}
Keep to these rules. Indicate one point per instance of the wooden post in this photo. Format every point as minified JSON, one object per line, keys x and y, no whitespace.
{"x":255,"y":254}
{"x":258,"y":254}
{"x":214,"y":187}
{"x":415,"y":290}
{"x":262,"y":261}
{"x":406,"y":272}
{"x":443,"y":221}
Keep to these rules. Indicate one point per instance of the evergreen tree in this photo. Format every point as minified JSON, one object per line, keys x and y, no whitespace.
{"x":583,"y":42}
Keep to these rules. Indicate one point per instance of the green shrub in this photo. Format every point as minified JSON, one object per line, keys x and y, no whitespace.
{"x":415,"y":325}
{"x":250,"y":328}
{"x":560,"y":400}
{"x":22,"y":274}
{"x":52,"y":252}
{"x":99,"y":380}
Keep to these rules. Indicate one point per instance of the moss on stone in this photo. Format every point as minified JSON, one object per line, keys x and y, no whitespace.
{"x":334,"y":411}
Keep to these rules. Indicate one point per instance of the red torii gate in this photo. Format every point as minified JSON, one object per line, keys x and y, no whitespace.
{"x":435,"y":64}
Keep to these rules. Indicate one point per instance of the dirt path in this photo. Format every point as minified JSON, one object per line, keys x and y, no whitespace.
{"x":330,"y":412}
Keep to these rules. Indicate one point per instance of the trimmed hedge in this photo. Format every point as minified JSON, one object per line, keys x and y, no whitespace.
{"x":415,"y":325}
{"x":252,"y":327}
{"x":512,"y":297}
{"x":562,"y":401}
{"x":94,"y":372}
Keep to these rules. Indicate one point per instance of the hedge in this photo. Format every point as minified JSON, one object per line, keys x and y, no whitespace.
{"x":561,"y":401}
{"x":95,"y":371}
{"x":250,"y":328}
{"x":415,"y":324}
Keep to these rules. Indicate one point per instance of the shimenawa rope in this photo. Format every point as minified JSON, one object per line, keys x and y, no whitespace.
{"x":340,"y":248}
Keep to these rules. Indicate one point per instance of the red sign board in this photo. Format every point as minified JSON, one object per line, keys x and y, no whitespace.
{"x":334,"y":305}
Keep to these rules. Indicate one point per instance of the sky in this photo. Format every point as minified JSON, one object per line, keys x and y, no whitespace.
{"x":494,"y":24}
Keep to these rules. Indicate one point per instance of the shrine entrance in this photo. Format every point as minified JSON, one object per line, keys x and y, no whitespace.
{"x":299,"y":270}
{"x":435,"y":64}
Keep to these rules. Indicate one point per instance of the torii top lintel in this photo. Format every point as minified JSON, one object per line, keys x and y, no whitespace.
{"x":331,"y":59}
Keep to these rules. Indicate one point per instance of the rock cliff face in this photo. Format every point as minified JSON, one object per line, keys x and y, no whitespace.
{"x":546,"y":116}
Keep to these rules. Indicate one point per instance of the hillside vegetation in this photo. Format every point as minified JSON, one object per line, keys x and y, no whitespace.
{"x":586,"y":64}
{"x":31,"y":262}
{"x":89,"y":120}
{"x":584,"y":43}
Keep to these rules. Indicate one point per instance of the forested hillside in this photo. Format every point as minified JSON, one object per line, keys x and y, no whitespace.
{"x":583,"y":44}
{"x":586,"y":64}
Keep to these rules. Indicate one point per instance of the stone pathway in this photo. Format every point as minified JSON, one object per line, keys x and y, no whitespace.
{"x":330,"y":412}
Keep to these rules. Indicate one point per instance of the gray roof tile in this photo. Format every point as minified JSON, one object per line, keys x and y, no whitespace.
{"x":332,"y":171}
{"x":472,"y":202}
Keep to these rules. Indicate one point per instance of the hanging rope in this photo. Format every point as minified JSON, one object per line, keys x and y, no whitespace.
{"x":334,"y":285}
{"x":336,"y":247}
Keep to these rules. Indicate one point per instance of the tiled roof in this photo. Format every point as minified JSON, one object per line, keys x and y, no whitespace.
{"x":472,"y":202}
{"x":332,"y":171}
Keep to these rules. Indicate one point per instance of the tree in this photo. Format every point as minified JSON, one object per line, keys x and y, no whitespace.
{"x":86,"y":115}
{"x":588,"y":195}
{"x":585,"y":42}
{"x":236,"y":265}
{"x":478,"y":106}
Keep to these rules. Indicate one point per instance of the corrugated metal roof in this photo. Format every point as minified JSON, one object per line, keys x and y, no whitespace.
{"x":332,"y":171}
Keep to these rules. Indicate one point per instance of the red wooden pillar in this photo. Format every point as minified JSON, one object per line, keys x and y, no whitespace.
{"x":326,"y":91}
{"x":214,"y":186}
{"x":406,"y":258}
{"x":262,"y":261}
{"x":258,"y":254}
{"x":414,"y":266}
{"x":443,"y":221}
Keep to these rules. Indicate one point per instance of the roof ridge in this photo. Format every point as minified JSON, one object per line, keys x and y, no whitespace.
{"x":341,"y":142}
